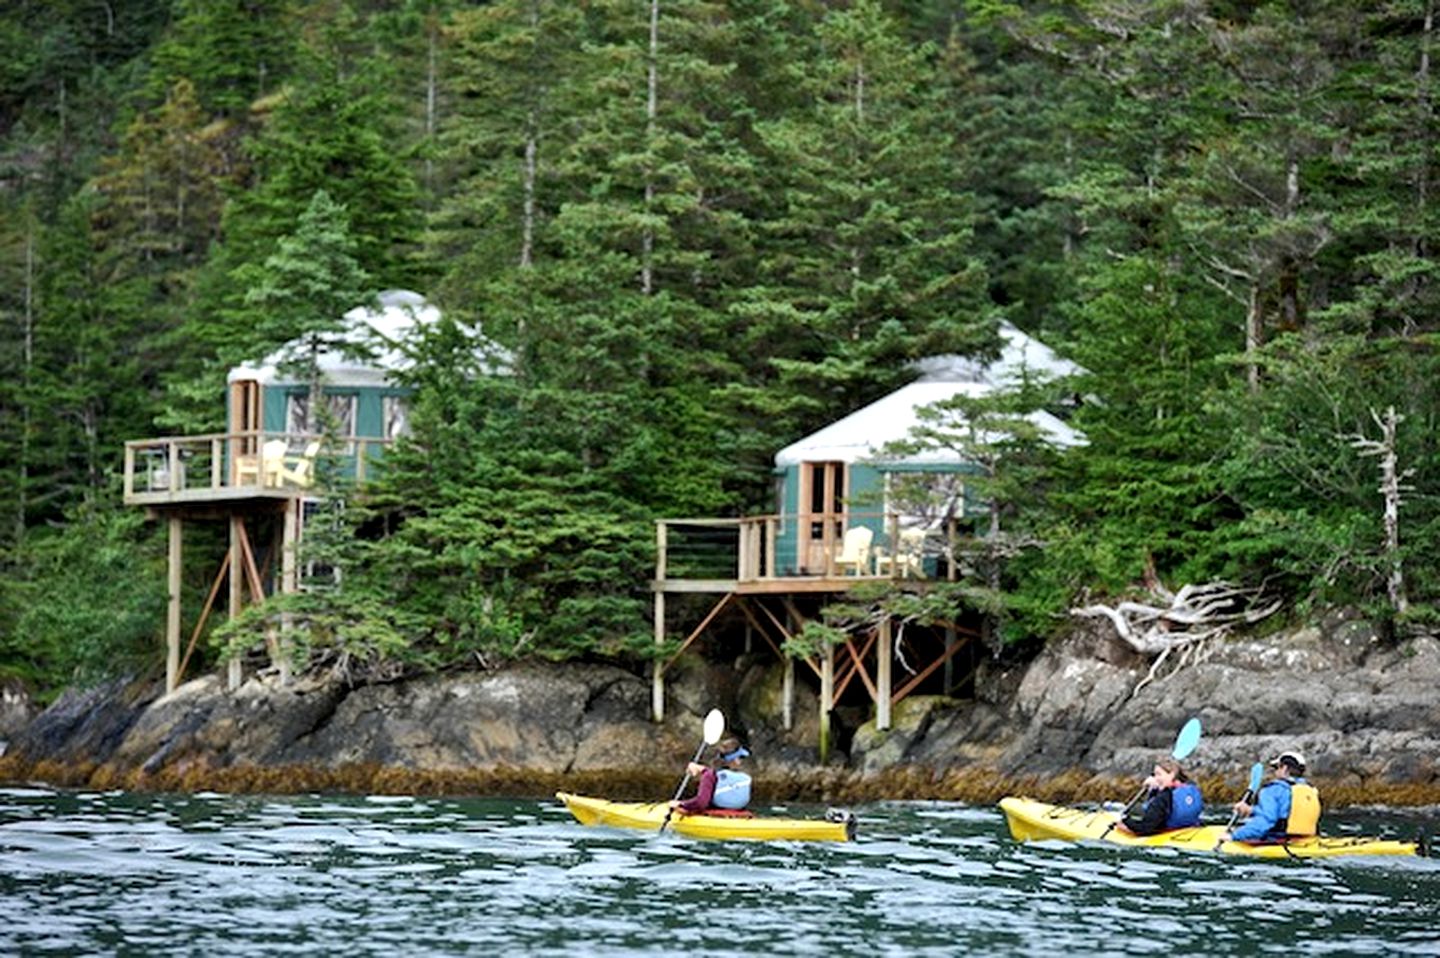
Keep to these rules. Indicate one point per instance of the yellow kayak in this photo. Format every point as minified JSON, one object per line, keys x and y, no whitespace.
{"x":648,"y":816}
{"x":1030,"y":820}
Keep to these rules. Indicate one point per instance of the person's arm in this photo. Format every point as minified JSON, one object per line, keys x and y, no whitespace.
{"x":1267,"y":812}
{"x":704,"y":793}
{"x":1151,"y":817}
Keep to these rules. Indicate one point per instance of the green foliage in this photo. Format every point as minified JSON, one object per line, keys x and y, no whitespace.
{"x":302,"y":290}
{"x":694,"y":252}
{"x":89,"y":602}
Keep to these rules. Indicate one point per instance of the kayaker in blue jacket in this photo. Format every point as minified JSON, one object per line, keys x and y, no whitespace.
{"x":1172,"y":801}
{"x":724,"y":786}
{"x":1287,"y":807}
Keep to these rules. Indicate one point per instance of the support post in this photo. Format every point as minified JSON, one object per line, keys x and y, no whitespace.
{"x":827,"y":691}
{"x":172,"y":612}
{"x":289,"y":579}
{"x":657,"y":677}
{"x":883,"y":655}
{"x":949,"y":657}
{"x":787,"y":697}
{"x":657,"y":682}
{"x":235,"y":668}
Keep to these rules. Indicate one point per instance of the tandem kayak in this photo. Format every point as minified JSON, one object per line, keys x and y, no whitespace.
{"x":1030,"y":820}
{"x":648,"y":816}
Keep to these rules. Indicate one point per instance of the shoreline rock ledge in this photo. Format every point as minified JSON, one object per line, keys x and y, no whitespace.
{"x":1080,"y":722}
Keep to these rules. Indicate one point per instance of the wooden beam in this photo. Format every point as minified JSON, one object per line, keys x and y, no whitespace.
{"x":205,"y":613}
{"x":924,"y":673}
{"x":758,"y":626}
{"x":827,"y":685}
{"x":172,"y":612}
{"x":855,"y":665}
{"x":657,"y":675}
{"x":798,"y":618}
{"x":252,"y":574}
{"x":883,"y":654}
{"x":714,"y":611}
{"x":235,"y":668}
{"x":787,"y":695}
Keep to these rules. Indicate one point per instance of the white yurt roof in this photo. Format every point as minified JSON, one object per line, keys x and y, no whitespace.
{"x":862,"y":434}
{"x":384,"y":335}
{"x":1020,"y":355}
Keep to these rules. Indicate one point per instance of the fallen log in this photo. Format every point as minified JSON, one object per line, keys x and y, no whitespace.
{"x":1195,"y":613}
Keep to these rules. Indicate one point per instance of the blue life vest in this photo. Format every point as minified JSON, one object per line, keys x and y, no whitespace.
{"x":1185,"y":805}
{"x":732,"y":789}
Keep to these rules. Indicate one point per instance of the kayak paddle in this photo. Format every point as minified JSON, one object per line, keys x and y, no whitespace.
{"x":714,"y":728}
{"x":1257,"y":772}
{"x":1185,"y":743}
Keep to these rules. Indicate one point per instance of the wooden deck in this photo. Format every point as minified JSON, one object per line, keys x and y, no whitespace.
{"x":761,"y":567}
{"x":775,"y":554}
{"x":257,"y":484}
{"x":233,"y":468}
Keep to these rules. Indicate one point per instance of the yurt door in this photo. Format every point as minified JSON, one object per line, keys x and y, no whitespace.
{"x":245,"y":424}
{"x":822,"y":514}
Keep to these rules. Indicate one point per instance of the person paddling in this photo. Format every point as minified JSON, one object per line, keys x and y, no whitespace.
{"x":1287,"y":807}
{"x":1172,"y":801}
{"x":724,"y":786}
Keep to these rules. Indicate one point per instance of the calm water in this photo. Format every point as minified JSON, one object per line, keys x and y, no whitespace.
{"x":115,"y":873}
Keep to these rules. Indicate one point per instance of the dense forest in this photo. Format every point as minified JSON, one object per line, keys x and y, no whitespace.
{"x":702,"y":229}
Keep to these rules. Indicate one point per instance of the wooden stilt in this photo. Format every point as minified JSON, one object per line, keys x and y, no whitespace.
{"x":289,"y":544}
{"x":787,"y":697}
{"x":204,"y":613}
{"x":949,"y":660}
{"x":172,"y":616}
{"x":883,"y":655}
{"x":289,"y":576}
{"x":657,"y":684}
{"x":827,"y":686}
{"x":657,"y":677}
{"x":235,"y":669}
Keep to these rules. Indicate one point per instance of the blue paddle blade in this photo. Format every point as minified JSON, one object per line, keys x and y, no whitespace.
{"x":1257,"y":772}
{"x":1188,"y":738}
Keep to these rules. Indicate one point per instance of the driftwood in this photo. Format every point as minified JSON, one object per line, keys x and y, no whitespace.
{"x":1194,"y":614}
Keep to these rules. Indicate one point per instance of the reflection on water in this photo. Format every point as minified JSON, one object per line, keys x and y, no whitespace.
{"x":239,"y":875}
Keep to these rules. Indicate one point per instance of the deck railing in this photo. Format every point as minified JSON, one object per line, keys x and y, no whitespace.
{"x":814,"y":546}
{"x":238,"y":464}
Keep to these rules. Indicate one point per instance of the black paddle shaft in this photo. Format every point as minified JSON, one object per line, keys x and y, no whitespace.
{"x":1128,"y":805}
{"x":683,"y":782}
{"x":1249,"y":799}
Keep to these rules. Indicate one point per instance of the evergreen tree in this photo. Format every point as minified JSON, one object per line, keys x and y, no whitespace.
{"x":302,"y":292}
{"x":233,"y":52}
{"x":869,"y":262}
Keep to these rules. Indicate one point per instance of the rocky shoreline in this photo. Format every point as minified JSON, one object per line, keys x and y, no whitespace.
{"x":1080,"y":722}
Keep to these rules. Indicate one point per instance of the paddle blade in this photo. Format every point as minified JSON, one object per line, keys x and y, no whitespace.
{"x":1257,"y":774}
{"x":714,"y":726}
{"x":1188,"y":738}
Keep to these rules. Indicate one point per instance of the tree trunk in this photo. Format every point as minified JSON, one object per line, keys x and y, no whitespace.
{"x":1253,"y":337}
{"x":527,"y":219}
{"x":1425,"y":124}
{"x":1390,"y":488}
{"x":647,"y":236}
{"x":431,"y":83}
{"x":27,"y":379}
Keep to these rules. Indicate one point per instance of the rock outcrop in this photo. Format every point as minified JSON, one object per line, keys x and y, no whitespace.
{"x":16,"y":712}
{"x":1364,"y":711}
{"x":1360,"y":709}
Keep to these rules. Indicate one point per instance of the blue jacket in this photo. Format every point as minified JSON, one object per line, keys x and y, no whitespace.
{"x":1185,"y":806}
{"x":1270,"y":814}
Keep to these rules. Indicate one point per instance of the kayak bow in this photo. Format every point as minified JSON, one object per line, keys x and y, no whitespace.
{"x":1030,"y":820}
{"x":649,"y":816}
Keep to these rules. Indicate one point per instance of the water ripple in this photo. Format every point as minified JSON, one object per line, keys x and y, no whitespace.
{"x":110,"y":873}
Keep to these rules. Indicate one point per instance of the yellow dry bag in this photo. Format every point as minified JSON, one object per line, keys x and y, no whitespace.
{"x":1304,"y":817}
